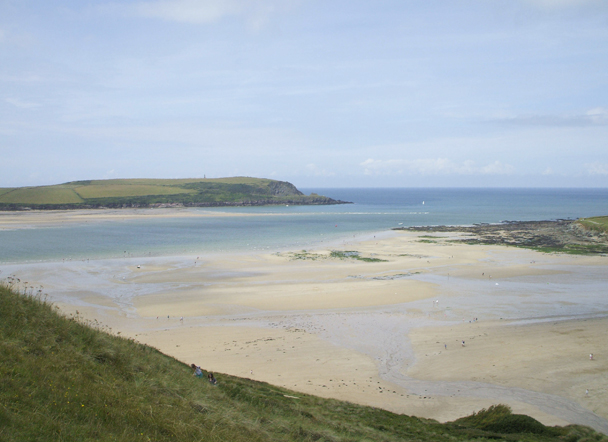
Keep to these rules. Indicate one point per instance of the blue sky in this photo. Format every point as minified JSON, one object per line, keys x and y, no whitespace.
{"x":502,"y":93}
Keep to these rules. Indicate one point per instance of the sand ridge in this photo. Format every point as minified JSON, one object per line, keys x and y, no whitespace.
{"x":47,"y":218}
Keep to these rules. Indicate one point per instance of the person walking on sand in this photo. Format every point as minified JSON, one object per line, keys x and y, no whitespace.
{"x":463,"y":343}
{"x":591,"y":356}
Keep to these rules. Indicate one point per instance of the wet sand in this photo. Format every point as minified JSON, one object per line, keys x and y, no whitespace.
{"x":373,"y":333}
{"x":44,"y":218}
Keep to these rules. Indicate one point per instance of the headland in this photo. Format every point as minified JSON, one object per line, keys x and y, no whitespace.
{"x":146,"y":193}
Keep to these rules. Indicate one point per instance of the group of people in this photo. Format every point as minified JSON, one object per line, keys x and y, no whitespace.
{"x":197,"y":372}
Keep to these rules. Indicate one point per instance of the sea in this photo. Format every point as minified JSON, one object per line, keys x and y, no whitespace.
{"x":288,"y":227}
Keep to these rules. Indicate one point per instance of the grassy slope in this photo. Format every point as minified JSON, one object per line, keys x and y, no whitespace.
{"x":598,"y":223}
{"x":118,"y":190}
{"x":144,"y":192}
{"x":62,"y":380}
{"x":42,"y":195}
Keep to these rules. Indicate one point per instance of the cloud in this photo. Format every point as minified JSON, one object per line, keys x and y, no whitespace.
{"x":188,"y":11}
{"x":22,"y":104}
{"x":597,"y":168}
{"x":433,"y":166}
{"x":597,"y":116}
{"x":497,"y":168}
{"x":204,"y":11}
{"x":565,"y":4}
{"x":317,"y":171}
{"x":110,"y":174}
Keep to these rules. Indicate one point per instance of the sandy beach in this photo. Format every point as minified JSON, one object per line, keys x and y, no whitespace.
{"x":45,"y":218}
{"x":387,"y":333}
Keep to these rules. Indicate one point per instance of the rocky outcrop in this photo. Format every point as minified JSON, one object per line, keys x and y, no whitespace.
{"x":283,"y":188}
{"x":558,"y":235}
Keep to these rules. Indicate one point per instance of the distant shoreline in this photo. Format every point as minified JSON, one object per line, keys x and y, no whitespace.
{"x":42,"y":218}
{"x":314,"y":201}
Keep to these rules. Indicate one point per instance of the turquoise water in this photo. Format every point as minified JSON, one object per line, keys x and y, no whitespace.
{"x":295,"y":227}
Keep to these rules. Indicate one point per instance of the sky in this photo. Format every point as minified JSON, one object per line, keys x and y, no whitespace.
{"x":332,"y":93}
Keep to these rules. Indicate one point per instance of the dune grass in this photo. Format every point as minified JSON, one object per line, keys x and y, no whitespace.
{"x":333,"y":254}
{"x":65,"y":380}
{"x":571,"y":249}
{"x":353,"y":254}
{"x":500,"y":419}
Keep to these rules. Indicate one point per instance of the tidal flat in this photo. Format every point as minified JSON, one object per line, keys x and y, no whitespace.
{"x":386,"y":332}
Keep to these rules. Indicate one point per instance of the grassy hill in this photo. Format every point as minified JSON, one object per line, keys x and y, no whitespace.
{"x":596,"y":223}
{"x":153,"y":192}
{"x":63,"y":380}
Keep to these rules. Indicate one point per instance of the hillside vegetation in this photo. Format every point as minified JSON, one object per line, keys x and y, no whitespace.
{"x":154,"y":193}
{"x":597,"y":223}
{"x":64,"y":380}
{"x":586,"y":236}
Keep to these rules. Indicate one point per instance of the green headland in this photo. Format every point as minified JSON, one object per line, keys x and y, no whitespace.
{"x":122,"y":193}
{"x":62,"y":379}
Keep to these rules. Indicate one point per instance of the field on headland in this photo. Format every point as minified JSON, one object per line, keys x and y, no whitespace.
{"x":378,"y":322}
{"x":156,"y":192}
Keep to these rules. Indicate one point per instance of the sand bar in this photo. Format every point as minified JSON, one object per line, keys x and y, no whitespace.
{"x":45,"y":218}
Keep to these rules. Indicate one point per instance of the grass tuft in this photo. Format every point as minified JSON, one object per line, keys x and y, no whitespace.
{"x":352,"y":254}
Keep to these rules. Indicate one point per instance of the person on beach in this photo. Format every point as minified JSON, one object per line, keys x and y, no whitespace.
{"x":212,"y":379}
{"x":197,"y":371}
{"x":463,"y":343}
{"x":591,"y":356}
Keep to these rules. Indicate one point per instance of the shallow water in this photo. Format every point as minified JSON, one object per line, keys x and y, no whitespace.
{"x":295,"y":227}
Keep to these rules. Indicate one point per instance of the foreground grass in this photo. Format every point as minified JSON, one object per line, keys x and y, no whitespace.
{"x":62,"y":380}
